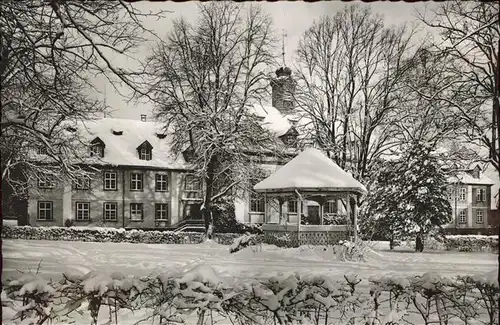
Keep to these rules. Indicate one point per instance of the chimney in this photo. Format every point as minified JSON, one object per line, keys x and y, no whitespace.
{"x":283,"y":89}
{"x":143,"y":117}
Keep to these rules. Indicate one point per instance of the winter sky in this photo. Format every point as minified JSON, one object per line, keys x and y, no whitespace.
{"x":292,"y":17}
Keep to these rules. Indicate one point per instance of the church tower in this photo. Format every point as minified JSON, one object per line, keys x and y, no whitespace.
{"x":283,"y":90}
{"x":283,"y":86}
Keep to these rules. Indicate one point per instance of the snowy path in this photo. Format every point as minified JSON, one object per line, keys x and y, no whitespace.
{"x":143,"y":259}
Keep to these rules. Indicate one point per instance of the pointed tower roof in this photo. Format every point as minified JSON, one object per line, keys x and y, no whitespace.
{"x":311,"y":170}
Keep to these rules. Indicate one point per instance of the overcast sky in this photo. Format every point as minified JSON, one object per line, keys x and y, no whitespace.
{"x":292,"y":17}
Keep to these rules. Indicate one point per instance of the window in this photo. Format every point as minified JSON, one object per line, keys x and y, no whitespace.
{"x":481,"y":195}
{"x":256,"y":203}
{"x":82,"y":183}
{"x":136,"y":182}
{"x":45,"y":210}
{"x":290,"y":140}
{"x":292,"y":206}
{"x":479,"y":216}
{"x":110,"y":211}
{"x":161,"y":183}
{"x":110,"y":181}
{"x":145,"y":150}
{"x":330,"y":207}
{"x":136,"y":211}
{"x":462,"y":217}
{"x":161,"y":211}
{"x":463,"y":194}
{"x":191,"y":183}
{"x":96,"y":151}
{"x":143,"y":117}
{"x":41,"y":150}
{"x":145,"y":154}
{"x":82,"y":211}
{"x":47,"y":182}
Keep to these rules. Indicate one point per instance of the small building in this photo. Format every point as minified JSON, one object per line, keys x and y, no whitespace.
{"x":310,"y":180}
{"x":469,"y":193}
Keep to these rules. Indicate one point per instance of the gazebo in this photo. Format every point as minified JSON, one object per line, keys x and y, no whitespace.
{"x":309,"y":180}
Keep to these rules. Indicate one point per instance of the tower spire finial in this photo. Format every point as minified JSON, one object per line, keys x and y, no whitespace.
{"x":283,"y":34}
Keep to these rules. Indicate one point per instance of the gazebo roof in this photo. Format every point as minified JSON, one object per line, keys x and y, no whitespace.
{"x":310,"y":171}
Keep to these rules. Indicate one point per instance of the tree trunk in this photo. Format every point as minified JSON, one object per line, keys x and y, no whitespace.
{"x":207,"y":203}
{"x":419,"y":243}
{"x":391,"y":243}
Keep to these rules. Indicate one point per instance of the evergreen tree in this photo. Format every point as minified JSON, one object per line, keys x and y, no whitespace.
{"x":409,"y":196}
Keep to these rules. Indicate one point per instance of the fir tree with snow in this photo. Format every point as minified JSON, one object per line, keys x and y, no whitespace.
{"x":410,"y":197}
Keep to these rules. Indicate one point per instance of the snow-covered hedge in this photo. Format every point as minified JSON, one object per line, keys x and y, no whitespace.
{"x":472,"y":243}
{"x":200,"y":295}
{"x":110,"y":235}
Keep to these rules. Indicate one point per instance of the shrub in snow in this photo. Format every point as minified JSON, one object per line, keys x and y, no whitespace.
{"x":284,"y":240}
{"x":97,"y":289}
{"x":350,"y":251}
{"x":281,"y":299}
{"x":36,"y":295}
{"x":110,"y":235}
{"x":472,"y":243}
{"x":242,"y":242}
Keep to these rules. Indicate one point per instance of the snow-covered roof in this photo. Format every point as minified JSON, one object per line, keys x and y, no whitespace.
{"x":465,"y":177}
{"x":273,"y":119}
{"x":122,"y":149}
{"x":310,"y":170}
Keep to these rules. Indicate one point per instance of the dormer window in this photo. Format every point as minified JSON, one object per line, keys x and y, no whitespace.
{"x":95,"y":151}
{"x":97,"y":148}
{"x":145,"y":154}
{"x":290,"y":140}
{"x":145,"y":151}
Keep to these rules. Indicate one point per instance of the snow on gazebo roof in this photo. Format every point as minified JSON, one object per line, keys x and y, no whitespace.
{"x":311,"y":170}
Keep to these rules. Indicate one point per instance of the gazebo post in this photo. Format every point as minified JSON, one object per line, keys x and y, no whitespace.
{"x":299,"y":215}
{"x":265,"y":208}
{"x":348,"y":207}
{"x":321,"y":210}
{"x":280,"y":202}
{"x":356,"y":202}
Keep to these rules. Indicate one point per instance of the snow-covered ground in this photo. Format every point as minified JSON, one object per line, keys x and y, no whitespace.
{"x":143,"y":259}
{"x":56,"y":257}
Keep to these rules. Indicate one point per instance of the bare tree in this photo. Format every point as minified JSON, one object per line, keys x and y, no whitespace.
{"x":423,"y":119}
{"x":50,"y":53}
{"x":469,"y":40}
{"x":203,"y":78}
{"x":350,"y":69}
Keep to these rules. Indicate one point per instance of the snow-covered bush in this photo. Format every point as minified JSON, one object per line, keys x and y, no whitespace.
{"x":472,"y":243}
{"x":281,"y":239}
{"x":175,"y":297}
{"x":96,"y":289}
{"x":242,"y":242}
{"x":34,"y":296}
{"x":430,"y":242}
{"x":97,"y":234}
{"x":350,"y":251}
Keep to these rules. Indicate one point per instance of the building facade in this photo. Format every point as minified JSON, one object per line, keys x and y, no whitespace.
{"x":140,"y":182}
{"x":469,"y":192}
